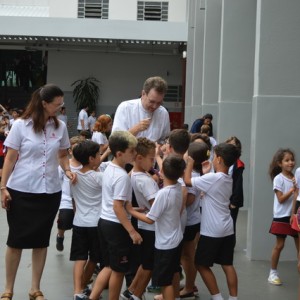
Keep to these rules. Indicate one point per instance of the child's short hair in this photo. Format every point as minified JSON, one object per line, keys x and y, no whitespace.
{"x":86,"y":134}
{"x":84,"y":150}
{"x":75,"y":140}
{"x":203,"y":137}
{"x":144,"y":146}
{"x":179,"y":140}
{"x":199,"y":152}
{"x":173,"y":167}
{"x":120,"y":141}
{"x":230,"y":153}
{"x":235,"y":141}
{"x":205,"y":129}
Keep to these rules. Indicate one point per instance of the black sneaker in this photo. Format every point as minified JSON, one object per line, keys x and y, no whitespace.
{"x":126,"y":295}
{"x":59,"y":243}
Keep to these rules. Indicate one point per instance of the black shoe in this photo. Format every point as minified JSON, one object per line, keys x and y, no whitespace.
{"x":59,"y":243}
{"x":126,"y":295}
{"x":188,"y":296}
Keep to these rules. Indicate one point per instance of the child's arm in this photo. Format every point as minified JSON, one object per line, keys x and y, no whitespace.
{"x":187,"y":176}
{"x":190,"y":199}
{"x":294,"y":202}
{"x":122,"y":216}
{"x":284,"y":197}
{"x":142,"y":217}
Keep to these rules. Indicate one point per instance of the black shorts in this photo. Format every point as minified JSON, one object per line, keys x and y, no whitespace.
{"x":212,"y":250}
{"x":85,"y":244}
{"x":166,"y":264}
{"x":115,"y":245}
{"x":190,"y":232}
{"x":147,"y":249}
{"x":65,"y":219}
{"x":1,"y":161}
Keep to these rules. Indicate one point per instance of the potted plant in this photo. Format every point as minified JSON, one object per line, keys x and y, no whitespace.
{"x":86,"y":93}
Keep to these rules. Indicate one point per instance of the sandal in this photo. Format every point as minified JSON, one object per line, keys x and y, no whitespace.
{"x":6,"y":296}
{"x":35,"y":295}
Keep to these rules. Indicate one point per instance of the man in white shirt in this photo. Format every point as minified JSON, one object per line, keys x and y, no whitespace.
{"x":83,"y":119}
{"x":145,"y":117}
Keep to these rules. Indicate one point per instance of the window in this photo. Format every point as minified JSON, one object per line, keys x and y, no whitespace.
{"x":173,"y":94}
{"x":152,"y":11}
{"x":93,"y":9}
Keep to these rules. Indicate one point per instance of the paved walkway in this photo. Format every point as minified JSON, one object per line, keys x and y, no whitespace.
{"x":57,"y":279}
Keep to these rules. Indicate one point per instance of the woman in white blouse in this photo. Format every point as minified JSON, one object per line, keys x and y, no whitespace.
{"x":30,"y":189}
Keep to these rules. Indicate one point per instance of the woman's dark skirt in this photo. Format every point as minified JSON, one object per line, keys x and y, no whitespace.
{"x":30,"y":219}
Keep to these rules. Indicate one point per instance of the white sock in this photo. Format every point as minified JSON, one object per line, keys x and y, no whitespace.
{"x":232,"y":298}
{"x":273,"y":271}
{"x":217,"y":297}
{"x":135,"y":297}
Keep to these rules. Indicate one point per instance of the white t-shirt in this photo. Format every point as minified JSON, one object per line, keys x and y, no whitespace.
{"x":193,"y":210}
{"x":297,"y":177}
{"x":183,"y":216}
{"x":63,"y":118}
{"x":131,"y":112}
{"x":116,"y":186}
{"x":216,"y":220}
{"x":165,"y":211}
{"x":36,"y":170}
{"x":100,"y":138}
{"x":66,"y":199}
{"x":83,"y":116}
{"x":145,"y":189}
{"x":87,"y":194}
{"x":282,"y":184}
{"x":92,"y":121}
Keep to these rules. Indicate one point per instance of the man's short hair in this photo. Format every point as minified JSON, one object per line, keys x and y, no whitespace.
{"x":157,"y":83}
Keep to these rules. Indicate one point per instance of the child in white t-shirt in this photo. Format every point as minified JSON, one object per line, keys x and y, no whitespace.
{"x":116,"y":231}
{"x":145,"y":189}
{"x":165,"y":212}
{"x":87,"y":194}
{"x":216,"y":243}
{"x":66,"y":208}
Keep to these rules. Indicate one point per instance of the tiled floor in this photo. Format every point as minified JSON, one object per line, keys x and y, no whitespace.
{"x":57,"y":278}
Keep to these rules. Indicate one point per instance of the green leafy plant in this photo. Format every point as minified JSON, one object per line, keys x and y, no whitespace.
{"x":86,"y":93}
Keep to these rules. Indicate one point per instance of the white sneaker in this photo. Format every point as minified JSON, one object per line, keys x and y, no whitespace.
{"x":274,"y":279}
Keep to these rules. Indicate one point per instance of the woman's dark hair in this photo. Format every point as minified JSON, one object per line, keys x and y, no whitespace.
{"x":230,"y":153}
{"x":274,"y":168}
{"x":207,"y":116}
{"x":35,"y":109}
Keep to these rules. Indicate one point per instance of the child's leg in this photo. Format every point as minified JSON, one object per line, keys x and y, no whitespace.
{"x":100,"y":283}
{"x":276,"y":251}
{"x":209,"y":279}
{"x":299,"y":254}
{"x":168,"y":292}
{"x":176,"y":284}
{"x":187,"y":261}
{"x":115,"y":285}
{"x":141,"y":281}
{"x":88,"y":271}
{"x":77,"y":275}
{"x":232,"y":280}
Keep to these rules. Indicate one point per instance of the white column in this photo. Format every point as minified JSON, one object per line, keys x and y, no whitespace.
{"x":275,"y":110}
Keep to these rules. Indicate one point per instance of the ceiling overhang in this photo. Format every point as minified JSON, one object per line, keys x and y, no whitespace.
{"x":36,"y":33}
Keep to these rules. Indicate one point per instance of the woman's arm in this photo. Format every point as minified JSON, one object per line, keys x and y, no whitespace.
{"x":64,"y":163}
{"x":9,"y":163}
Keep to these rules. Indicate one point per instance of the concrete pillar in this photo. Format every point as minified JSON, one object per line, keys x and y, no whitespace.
{"x":194,"y":61}
{"x":275,"y":114}
{"x":236,"y":76}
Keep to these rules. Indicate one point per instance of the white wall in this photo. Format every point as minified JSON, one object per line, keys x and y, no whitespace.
{"x":63,"y":9}
{"x":121,"y":75}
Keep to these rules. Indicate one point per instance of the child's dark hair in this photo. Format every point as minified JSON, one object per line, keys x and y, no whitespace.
{"x":120,"y":141}
{"x":199,"y":152}
{"x":203,"y":137}
{"x":230,"y":153}
{"x":179,"y":140}
{"x":235,"y":141}
{"x":173,"y":167}
{"x":144,"y":146}
{"x":84,"y":150}
{"x":274,"y":168}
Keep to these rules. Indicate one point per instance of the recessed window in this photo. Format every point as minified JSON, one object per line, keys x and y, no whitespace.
{"x":97,"y":9}
{"x":173,"y":94}
{"x":152,"y":11}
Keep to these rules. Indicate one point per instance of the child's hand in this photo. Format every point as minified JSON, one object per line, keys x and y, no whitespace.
{"x":136,"y":238}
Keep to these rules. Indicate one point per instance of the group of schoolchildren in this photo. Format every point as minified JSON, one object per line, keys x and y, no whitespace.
{"x":169,"y":232}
